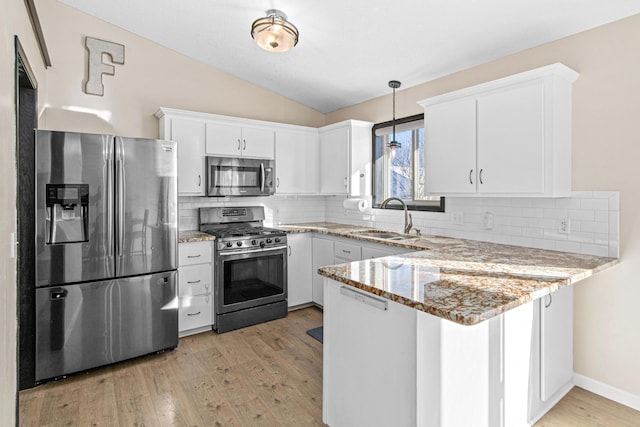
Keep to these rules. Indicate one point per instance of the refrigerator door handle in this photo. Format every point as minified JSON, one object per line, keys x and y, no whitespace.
{"x":120,"y":201}
{"x":109,"y":224}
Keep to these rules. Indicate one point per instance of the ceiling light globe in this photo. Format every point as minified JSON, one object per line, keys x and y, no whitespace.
{"x":274,"y":33}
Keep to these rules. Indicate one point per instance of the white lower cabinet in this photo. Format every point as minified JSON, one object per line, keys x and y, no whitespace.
{"x":299,"y":279}
{"x":445,"y":374}
{"x":322,"y":255}
{"x":552,"y":361}
{"x":195,"y":287}
{"x":194,"y":314}
{"x":346,"y":252}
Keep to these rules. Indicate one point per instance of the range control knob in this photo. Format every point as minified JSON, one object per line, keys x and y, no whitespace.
{"x":239,"y":243}
{"x":277,"y":240}
{"x":254,"y":242}
{"x":229,"y":244}
{"x":268,"y":240}
{"x":262,"y":243}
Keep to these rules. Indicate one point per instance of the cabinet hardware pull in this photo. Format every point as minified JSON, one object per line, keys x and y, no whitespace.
{"x":481,"y":176}
{"x":193,"y":314}
{"x":470,"y":173}
{"x":277,"y":182}
{"x":238,"y":144}
{"x":199,"y":180}
{"x":346,"y":252}
{"x":244,"y":144}
{"x":193,"y":256}
{"x":366,"y":299}
{"x":547,"y":305}
{"x":289,"y":250}
{"x":193,"y":281}
{"x":345,"y":182}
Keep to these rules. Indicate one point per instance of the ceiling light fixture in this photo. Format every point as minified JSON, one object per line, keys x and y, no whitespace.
{"x":274,"y":33}
{"x":393,"y":144}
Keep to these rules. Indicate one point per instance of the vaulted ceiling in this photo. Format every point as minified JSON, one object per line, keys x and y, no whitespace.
{"x":350,"y":49}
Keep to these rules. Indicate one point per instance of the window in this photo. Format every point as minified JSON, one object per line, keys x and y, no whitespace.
{"x":402,"y":175}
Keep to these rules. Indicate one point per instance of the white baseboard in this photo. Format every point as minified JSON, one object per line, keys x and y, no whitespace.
{"x":605,"y":390}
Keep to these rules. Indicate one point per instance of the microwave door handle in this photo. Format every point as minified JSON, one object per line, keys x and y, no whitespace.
{"x":261,"y":177}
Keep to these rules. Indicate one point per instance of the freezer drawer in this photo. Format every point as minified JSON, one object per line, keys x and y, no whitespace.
{"x":84,"y":326}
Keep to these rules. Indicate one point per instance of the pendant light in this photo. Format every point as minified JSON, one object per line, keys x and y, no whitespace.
{"x":274,"y":33}
{"x":393,"y":144}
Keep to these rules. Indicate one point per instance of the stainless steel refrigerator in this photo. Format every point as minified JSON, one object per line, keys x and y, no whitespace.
{"x":106,"y":250}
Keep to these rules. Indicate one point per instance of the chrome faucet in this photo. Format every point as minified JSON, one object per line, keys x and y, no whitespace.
{"x":408,"y":220}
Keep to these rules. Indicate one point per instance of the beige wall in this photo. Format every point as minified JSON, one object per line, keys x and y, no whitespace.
{"x":606,"y":156}
{"x":13,"y":21}
{"x":151,"y":77}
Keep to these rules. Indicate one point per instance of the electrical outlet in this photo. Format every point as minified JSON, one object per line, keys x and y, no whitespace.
{"x":564,"y":226}
{"x":488,"y":221}
{"x":457,"y":218}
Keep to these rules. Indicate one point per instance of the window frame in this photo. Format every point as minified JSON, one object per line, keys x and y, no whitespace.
{"x":428,"y":205}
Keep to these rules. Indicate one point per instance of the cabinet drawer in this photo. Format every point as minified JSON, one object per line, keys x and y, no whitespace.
{"x":347,"y":251}
{"x":195,"y":312}
{"x":195,"y":280}
{"x":194,"y":253}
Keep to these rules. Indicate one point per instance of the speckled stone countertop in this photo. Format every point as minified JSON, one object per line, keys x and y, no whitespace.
{"x":461,"y":280}
{"x":194,"y":236}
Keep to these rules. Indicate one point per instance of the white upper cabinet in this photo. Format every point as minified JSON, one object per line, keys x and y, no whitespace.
{"x":297,"y":161}
{"x":190,"y":136}
{"x":452,"y":165}
{"x":345,"y":158}
{"x":233,"y":140}
{"x":509,"y":137}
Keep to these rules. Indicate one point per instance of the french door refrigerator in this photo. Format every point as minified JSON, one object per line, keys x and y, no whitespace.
{"x":106,"y":250}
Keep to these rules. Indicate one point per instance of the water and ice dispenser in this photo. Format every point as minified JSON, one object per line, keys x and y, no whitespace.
{"x":67,"y":218}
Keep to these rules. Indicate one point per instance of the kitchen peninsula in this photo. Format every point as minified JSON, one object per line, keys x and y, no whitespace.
{"x":459,"y":333}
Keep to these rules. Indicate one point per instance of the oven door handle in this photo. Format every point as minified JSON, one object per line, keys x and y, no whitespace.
{"x":253,"y":251}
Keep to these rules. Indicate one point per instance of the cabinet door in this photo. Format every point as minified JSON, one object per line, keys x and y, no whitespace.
{"x":450,"y":147}
{"x":299,"y":270}
{"x":223,"y":140}
{"x":190,"y":137}
{"x":556,"y":341}
{"x":296,"y":163}
{"x":334,"y":161}
{"x":322,"y":256}
{"x":257,"y":143}
{"x":511,"y":140}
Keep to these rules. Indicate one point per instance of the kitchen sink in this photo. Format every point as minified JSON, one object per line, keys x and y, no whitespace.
{"x":386,"y":235}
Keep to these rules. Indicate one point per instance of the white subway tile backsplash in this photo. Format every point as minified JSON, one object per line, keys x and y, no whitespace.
{"x":568,"y":203}
{"x":531,"y":222}
{"x":596,"y":204}
{"x":554,"y":213}
{"x":582,"y":214}
{"x":594,"y":227}
{"x":596,"y":250}
{"x":568,"y":246}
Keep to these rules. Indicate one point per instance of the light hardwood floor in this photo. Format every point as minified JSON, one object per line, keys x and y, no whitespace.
{"x":264,"y":375}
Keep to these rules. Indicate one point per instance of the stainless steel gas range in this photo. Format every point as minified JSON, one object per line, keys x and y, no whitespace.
{"x":250,"y":271}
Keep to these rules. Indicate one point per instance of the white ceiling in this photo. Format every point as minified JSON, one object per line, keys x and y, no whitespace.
{"x":350,"y":49}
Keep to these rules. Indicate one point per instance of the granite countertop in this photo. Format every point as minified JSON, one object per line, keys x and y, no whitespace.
{"x":194,"y":236}
{"x":461,"y":280}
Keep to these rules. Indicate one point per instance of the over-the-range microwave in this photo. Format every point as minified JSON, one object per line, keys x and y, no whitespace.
{"x":239,"y":177}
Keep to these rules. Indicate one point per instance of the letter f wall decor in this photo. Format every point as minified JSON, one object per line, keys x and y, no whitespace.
{"x":97,"y":48}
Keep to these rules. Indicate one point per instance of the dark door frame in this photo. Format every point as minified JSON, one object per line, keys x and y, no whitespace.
{"x":26,"y":113}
